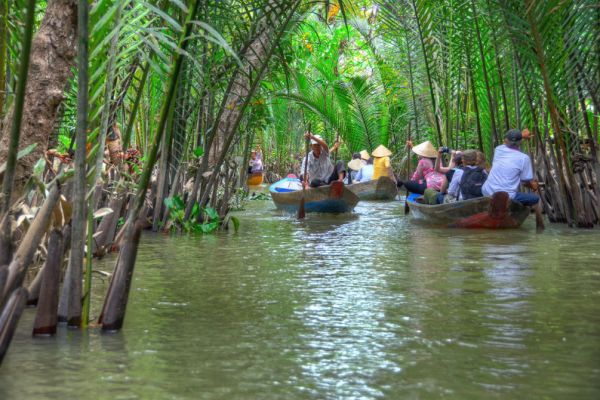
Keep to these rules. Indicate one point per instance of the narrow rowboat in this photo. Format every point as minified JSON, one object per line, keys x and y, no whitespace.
{"x":334,"y":198}
{"x":255,"y":179}
{"x":380,"y":189}
{"x":496,"y":212}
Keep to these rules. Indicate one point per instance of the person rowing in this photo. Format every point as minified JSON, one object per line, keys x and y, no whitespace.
{"x":425,"y":176}
{"x":320,"y":171}
{"x":510,"y":168}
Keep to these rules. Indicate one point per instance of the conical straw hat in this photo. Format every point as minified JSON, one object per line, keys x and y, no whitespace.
{"x":356,"y":164}
{"x":381,"y":151}
{"x":364,"y":155}
{"x":425,"y":149}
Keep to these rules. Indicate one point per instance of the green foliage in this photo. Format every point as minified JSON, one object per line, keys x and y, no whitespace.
{"x":176,"y":207}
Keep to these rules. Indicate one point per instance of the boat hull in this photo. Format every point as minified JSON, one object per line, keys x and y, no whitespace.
{"x":381,"y":189}
{"x":316,"y":200}
{"x":255,"y":179}
{"x":497,"y":212}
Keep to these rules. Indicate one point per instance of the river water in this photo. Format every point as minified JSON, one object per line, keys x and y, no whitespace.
{"x":365,"y":306}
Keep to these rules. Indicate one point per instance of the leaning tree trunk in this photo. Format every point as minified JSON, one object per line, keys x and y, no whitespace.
{"x":52,"y":58}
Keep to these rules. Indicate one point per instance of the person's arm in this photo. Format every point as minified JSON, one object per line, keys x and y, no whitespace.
{"x":454,"y":186}
{"x":321,"y":142}
{"x":304,"y":178}
{"x":335,"y":147}
{"x":439,"y":167}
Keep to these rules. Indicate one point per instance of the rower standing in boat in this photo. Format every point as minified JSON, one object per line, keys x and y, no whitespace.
{"x":320,"y":169}
{"x":511,"y":167}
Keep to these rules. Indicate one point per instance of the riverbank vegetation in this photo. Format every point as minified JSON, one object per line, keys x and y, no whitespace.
{"x":123,"y":115}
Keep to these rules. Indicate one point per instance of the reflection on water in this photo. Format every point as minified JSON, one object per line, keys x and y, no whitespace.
{"x":361,"y":306}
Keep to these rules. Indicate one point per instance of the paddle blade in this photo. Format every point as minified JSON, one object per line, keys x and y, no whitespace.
{"x":499,"y":205}
{"x":301,"y":211}
{"x":539,"y":219}
{"x":336,"y":190}
{"x":406,"y":209}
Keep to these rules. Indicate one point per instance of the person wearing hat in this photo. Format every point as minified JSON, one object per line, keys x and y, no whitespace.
{"x":364,"y":155}
{"x":366,"y":172}
{"x":355,"y":166}
{"x":255,"y":163}
{"x":381,"y":163}
{"x":320,"y":170}
{"x":510,"y":168}
{"x":425,"y":176}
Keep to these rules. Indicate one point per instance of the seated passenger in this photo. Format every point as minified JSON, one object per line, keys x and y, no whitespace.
{"x":366,"y":172}
{"x":364,"y":155}
{"x":255,"y":162}
{"x":424,"y":177}
{"x":320,"y":171}
{"x":381,"y":163}
{"x":467,"y":182}
{"x":355,"y":166}
{"x":455,"y":163}
{"x":511,"y":167}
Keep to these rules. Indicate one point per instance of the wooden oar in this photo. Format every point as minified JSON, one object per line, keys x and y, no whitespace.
{"x":539,"y":219}
{"x":301,"y":211}
{"x":407,"y":158}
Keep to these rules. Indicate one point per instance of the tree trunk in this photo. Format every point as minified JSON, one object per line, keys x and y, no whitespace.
{"x":52,"y":58}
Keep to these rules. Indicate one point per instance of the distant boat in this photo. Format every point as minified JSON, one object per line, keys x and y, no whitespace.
{"x":336,"y":198}
{"x":380,"y":189}
{"x":496,"y":212}
{"x":255,"y":179}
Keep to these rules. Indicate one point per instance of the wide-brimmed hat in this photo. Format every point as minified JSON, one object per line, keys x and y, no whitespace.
{"x":425,"y":149}
{"x":381,"y":151}
{"x":364,"y":155}
{"x":356,"y":164}
{"x":313,"y":141}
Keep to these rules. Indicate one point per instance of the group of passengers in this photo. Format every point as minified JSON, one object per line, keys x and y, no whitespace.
{"x":465,"y":177}
{"x":363,"y":167}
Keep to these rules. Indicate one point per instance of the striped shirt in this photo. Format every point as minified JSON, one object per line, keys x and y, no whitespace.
{"x":318,"y":168}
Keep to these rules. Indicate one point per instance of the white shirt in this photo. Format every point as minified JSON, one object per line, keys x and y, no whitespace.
{"x":318,"y":168}
{"x":365,"y":173}
{"x":510,"y":167}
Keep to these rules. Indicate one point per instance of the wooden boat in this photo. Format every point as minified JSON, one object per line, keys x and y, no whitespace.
{"x":496,"y":212}
{"x":334,"y":198}
{"x":255,"y":179}
{"x":380,"y":189}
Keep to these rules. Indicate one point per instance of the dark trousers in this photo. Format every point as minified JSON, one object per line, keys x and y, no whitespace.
{"x":413,"y":186}
{"x":335,"y":175}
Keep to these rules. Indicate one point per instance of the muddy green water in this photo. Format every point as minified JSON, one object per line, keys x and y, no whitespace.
{"x":365,"y":306}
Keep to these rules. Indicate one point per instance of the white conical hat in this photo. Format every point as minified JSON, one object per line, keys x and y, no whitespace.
{"x":425,"y":149}
{"x":381,"y":151}
{"x":364,"y":155}
{"x":356,"y":164}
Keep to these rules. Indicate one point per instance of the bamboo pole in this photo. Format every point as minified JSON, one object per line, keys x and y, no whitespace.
{"x":15,"y":133}
{"x":115,"y":304}
{"x":78,"y":224}
{"x":46,"y":316}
